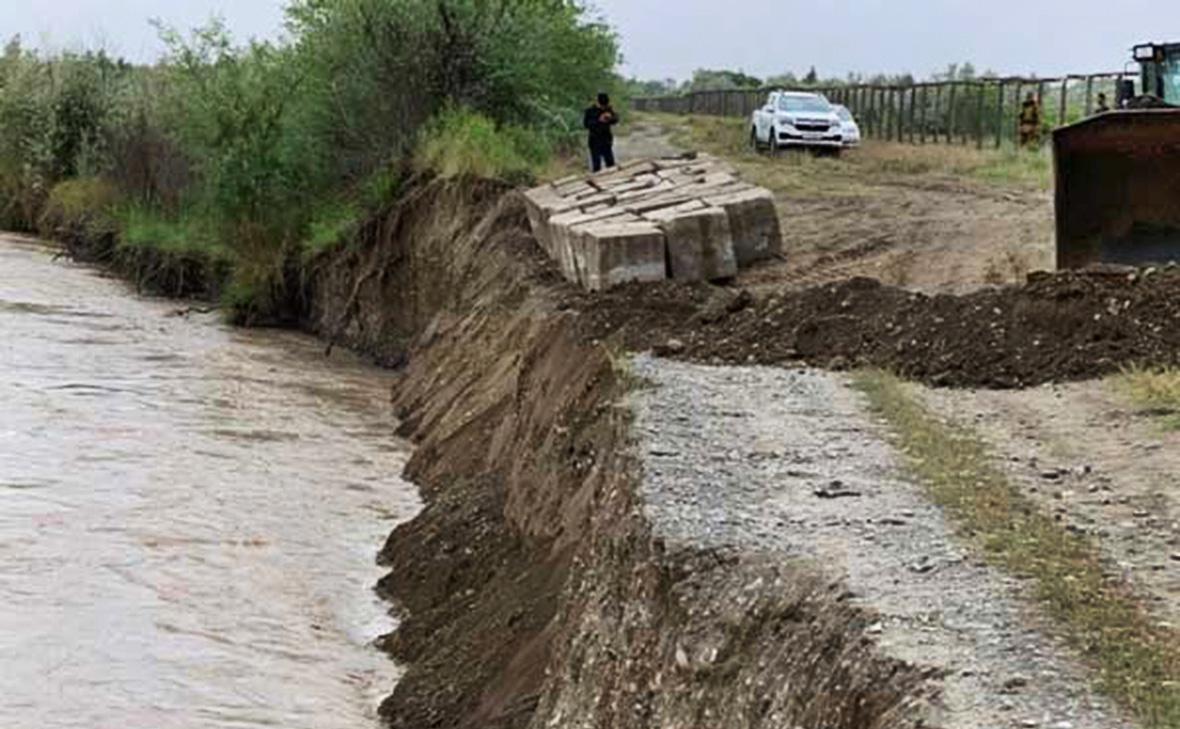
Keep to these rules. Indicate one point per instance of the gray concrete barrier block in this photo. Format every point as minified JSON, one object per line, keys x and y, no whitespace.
{"x":700,"y":245}
{"x":610,"y":254}
{"x":753,"y":223}
{"x":635,"y":222}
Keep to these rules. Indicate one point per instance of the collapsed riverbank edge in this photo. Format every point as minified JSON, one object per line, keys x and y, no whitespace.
{"x":531,"y":589}
{"x":534,"y":593}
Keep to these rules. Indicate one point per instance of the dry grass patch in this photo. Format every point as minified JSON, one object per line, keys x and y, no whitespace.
{"x":1137,"y":660}
{"x":1155,"y":390}
{"x":875,"y":162}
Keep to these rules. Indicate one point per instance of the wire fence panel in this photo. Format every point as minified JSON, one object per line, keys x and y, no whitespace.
{"x":979,"y":112}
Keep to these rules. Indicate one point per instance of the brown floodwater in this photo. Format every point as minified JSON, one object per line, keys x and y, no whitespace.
{"x":189,"y":514}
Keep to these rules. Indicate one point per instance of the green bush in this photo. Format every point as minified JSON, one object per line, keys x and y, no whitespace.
{"x":464,"y":143}
{"x":331,"y":225}
{"x":256,"y":152}
{"x":80,"y":208}
{"x":144,"y":227}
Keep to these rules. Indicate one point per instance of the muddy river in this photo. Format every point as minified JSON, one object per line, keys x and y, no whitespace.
{"x":189,"y":514}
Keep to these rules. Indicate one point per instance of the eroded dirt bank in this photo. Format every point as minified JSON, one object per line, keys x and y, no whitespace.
{"x":534,"y":589}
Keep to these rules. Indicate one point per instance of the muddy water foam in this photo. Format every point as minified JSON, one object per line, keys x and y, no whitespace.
{"x":188,"y":514}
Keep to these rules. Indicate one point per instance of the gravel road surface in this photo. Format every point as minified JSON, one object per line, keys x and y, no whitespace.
{"x":776,"y":461}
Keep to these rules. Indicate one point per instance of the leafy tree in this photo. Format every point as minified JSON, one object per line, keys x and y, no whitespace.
{"x":641,"y":88}
{"x":715,"y":80}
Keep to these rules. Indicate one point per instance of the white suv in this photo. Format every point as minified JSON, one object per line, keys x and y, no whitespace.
{"x":851,"y":128}
{"x":796,"y":119}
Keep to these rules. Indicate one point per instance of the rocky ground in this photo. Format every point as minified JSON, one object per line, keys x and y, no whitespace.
{"x":787,"y":462}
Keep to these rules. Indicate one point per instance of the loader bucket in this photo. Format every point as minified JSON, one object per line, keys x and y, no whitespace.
{"x":1118,"y":189}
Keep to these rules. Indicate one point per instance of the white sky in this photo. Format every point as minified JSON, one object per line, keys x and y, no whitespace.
{"x":673,"y":37}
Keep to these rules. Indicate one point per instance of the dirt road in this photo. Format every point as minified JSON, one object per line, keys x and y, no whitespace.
{"x":938,"y":219}
{"x":1100,"y":466}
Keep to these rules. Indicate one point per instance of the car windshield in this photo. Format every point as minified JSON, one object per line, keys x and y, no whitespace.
{"x":843,"y":113}
{"x":803,"y":103}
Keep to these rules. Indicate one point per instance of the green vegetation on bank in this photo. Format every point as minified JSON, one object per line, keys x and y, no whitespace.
{"x":1138,"y":660}
{"x":265,"y":151}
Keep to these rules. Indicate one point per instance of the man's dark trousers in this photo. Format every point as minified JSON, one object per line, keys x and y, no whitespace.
{"x":602,"y":155}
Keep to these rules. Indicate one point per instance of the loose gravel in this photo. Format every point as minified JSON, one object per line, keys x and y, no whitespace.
{"x":788,"y":462}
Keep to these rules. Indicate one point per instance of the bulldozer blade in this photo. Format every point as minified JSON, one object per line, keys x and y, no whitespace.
{"x":1118,"y":189}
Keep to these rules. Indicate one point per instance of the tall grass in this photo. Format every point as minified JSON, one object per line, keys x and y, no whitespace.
{"x":460,"y":142}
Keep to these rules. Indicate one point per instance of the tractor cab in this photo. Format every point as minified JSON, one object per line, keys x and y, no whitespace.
{"x":1159,"y":74}
{"x":1118,"y":174}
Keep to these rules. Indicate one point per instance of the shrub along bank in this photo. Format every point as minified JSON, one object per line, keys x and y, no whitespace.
{"x":216,"y":170}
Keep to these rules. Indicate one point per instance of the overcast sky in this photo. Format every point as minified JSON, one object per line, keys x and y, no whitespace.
{"x":670,"y":38}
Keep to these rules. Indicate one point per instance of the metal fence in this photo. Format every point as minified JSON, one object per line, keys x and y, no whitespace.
{"x":980,"y":112}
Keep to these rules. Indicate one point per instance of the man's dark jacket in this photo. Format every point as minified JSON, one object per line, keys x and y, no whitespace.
{"x":600,"y":131}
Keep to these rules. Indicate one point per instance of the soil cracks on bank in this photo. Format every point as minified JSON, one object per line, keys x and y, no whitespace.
{"x":788,"y":463}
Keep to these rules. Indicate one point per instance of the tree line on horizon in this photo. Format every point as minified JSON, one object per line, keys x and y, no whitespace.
{"x":728,"y":79}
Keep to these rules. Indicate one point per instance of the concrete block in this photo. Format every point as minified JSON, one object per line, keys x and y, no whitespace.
{"x":541,"y":200}
{"x":719,"y":177}
{"x":700,"y":245}
{"x":622,"y":173}
{"x":578,"y":217}
{"x":690,"y":216}
{"x":753,"y":223}
{"x":539,"y":203}
{"x":613,"y":254}
{"x":667,"y":199}
{"x":637,"y":165}
{"x":635,"y":195}
{"x":673,"y":163}
{"x":564,"y":230}
{"x":598,"y":198}
{"x":575,"y":188}
{"x":661,"y":214}
{"x":642,"y":182}
{"x":576,"y":177}
{"x":707,"y":190}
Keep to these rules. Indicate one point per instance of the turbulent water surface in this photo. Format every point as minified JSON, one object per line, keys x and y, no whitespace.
{"x":188,"y":514}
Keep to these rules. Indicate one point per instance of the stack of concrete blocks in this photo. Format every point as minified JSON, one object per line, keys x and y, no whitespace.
{"x":684,"y":218}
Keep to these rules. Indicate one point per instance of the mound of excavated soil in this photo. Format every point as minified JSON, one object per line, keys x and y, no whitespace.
{"x":1064,"y":326}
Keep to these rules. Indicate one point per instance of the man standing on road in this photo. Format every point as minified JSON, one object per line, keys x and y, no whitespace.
{"x":598,"y":121}
{"x":1030,"y":122}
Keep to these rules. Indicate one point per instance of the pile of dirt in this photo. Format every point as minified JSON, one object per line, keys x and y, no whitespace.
{"x":1057,"y":327}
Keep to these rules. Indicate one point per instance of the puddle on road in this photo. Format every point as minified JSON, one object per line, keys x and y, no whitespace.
{"x":189,"y":515}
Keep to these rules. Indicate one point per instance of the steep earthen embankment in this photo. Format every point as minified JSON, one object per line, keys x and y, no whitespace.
{"x":532,"y":589}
